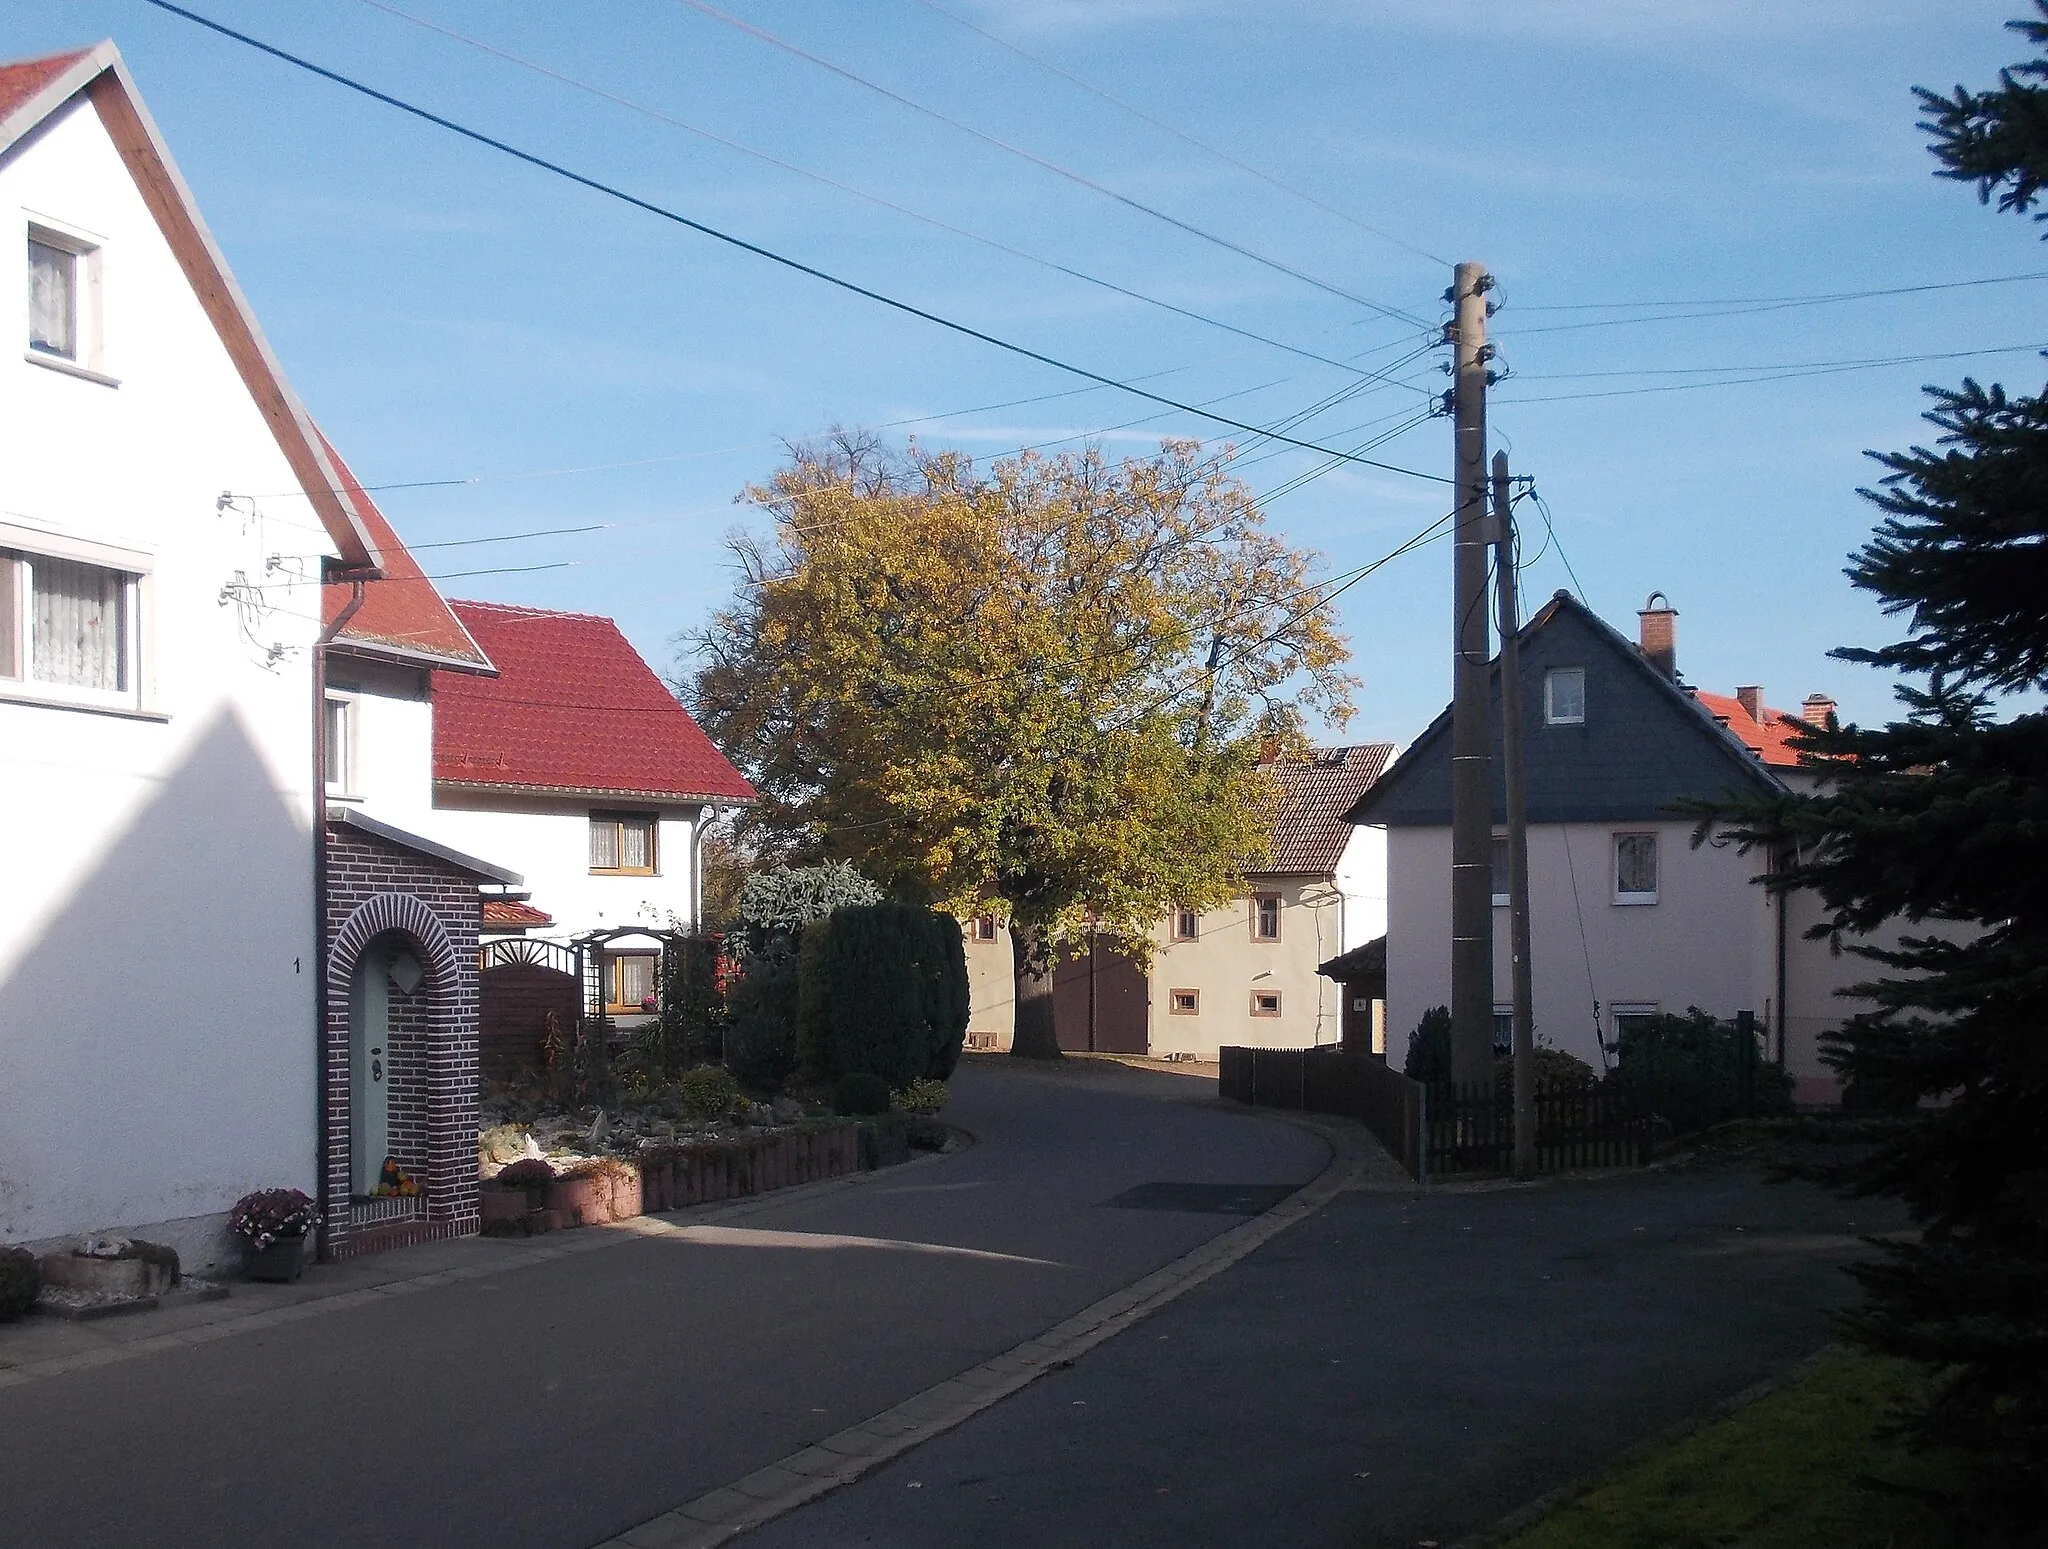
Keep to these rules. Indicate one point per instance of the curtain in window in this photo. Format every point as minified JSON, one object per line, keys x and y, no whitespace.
{"x":1635,"y":863}
{"x":52,"y":300}
{"x":604,"y":844}
{"x":634,"y":846}
{"x":636,"y":979}
{"x":79,"y":624}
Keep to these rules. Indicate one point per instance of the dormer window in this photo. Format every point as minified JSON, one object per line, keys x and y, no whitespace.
{"x":1564,"y":696}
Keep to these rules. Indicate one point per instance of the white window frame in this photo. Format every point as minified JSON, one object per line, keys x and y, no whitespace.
{"x":1637,"y":898}
{"x":1626,"y":1010}
{"x":350,"y":704}
{"x":88,"y":358}
{"x":1551,"y":715}
{"x":21,"y":547}
{"x":1498,"y":851}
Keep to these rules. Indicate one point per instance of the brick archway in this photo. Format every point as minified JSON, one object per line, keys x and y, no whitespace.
{"x":450,"y":1059}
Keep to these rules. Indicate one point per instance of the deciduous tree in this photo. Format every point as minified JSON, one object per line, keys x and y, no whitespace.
{"x":1042,"y":690}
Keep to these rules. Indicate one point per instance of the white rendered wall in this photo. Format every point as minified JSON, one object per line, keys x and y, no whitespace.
{"x":1361,"y":879}
{"x":156,"y":925}
{"x":1226,"y":966}
{"x":547,"y":841}
{"x":1708,"y":941}
{"x":391,"y":775}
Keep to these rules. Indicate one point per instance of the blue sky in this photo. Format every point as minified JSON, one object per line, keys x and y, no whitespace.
{"x":450,"y":314}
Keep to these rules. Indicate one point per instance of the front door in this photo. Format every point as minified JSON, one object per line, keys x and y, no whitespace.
{"x":369,"y":1066}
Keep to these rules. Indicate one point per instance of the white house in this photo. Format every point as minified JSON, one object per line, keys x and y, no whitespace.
{"x":158,"y":947}
{"x":1628,"y":918}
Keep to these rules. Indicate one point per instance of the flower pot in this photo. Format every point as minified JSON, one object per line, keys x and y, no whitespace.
{"x":280,"y":1263}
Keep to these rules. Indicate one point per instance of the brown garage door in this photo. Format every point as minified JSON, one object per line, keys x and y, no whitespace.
{"x":1101,"y":1003}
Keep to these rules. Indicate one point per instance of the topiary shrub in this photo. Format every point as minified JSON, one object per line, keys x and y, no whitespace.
{"x":782,"y":902}
{"x":21,"y":1282}
{"x":707,"y":1092}
{"x":760,"y":1033}
{"x":882,"y":988}
{"x":861,"y":1095}
{"x":1429,"y":1048}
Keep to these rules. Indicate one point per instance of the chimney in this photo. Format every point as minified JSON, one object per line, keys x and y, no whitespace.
{"x":1818,"y":709}
{"x":1658,"y":634}
{"x":1751,"y":698}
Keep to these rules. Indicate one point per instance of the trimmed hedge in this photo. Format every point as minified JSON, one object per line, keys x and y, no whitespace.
{"x":21,"y":1280}
{"x":882,"y":989}
{"x":760,"y":1034}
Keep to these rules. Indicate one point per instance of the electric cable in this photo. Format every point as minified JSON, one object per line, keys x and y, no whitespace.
{"x":759,"y":251}
{"x":846,"y":188}
{"x":1809,"y":299}
{"x":1182,"y":135}
{"x":1050,"y":166}
{"x":1836,"y":369}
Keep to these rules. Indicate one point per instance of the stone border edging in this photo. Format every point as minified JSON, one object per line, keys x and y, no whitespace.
{"x":518,"y":1253}
{"x":842,"y":1458}
{"x":1529,"y":1515}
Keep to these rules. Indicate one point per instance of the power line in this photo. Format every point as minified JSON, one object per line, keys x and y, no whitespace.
{"x":846,"y":188}
{"x":1780,"y":376}
{"x":1809,"y":299}
{"x":1793,"y":366}
{"x":1050,"y":166}
{"x":1182,"y":135}
{"x":611,"y":191}
{"x":1550,"y":527}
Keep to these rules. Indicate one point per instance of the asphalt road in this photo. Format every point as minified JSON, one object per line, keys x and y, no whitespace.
{"x":565,"y":1401}
{"x":1392,"y":1371}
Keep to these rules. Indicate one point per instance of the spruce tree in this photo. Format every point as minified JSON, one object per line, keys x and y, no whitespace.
{"x":1941,"y":819}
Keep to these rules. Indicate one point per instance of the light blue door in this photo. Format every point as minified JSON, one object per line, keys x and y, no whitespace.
{"x":369,"y":1066}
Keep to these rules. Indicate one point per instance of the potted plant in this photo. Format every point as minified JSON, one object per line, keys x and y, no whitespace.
{"x":272,"y":1225}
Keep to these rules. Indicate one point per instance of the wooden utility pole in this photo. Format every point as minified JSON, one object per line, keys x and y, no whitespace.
{"x":1471,"y":784}
{"x":1515,"y":777}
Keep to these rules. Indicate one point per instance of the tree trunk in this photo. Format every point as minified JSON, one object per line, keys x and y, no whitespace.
{"x":1034,"y":1037}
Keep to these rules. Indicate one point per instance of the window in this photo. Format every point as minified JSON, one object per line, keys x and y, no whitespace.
{"x":63,"y":301}
{"x":985,"y":927}
{"x":1265,"y":916}
{"x":340,"y":752}
{"x":629,"y":981}
{"x":1631,"y":1017}
{"x":1500,"y":871}
{"x":1265,"y":1003}
{"x":1635,"y":868}
{"x":1185,"y":1003}
{"x":1503,"y":1029}
{"x":68,"y":626}
{"x":1187,"y":924}
{"x":1564,"y":696}
{"x":622,"y":843}
{"x":52,"y":297}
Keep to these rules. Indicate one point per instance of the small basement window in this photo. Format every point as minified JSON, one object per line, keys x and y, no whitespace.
{"x":1185,"y":1003}
{"x":1265,"y":1003}
{"x":622,"y":843}
{"x":1564,"y":696}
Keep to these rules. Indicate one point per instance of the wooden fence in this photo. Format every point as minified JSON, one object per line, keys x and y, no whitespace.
{"x":1329,"y":1080}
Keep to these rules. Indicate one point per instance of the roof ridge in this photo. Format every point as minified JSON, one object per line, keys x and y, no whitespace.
{"x":518,"y":607}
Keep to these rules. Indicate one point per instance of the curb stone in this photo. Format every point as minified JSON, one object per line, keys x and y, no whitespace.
{"x":840,"y":1459}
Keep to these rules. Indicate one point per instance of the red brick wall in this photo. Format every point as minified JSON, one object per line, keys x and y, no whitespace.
{"x":375,"y":887}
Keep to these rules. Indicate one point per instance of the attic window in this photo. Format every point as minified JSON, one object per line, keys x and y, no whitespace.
{"x":64,"y":303}
{"x":1564,"y":696}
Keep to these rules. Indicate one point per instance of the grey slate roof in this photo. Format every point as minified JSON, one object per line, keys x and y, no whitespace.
{"x":1311,"y":827}
{"x":1644,"y":745}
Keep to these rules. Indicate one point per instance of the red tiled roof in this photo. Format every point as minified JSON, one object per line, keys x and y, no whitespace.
{"x":573,"y":710}
{"x":403,"y":612}
{"x":1769,"y":738}
{"x":21,"y":79}
{"x":1310,"y":829}
{"x":510,"y":914}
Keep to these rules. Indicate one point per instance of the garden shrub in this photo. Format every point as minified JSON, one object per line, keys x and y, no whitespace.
{"x":782,"y":902}
{"x":1691,"y":1071}
{"x":1429,"y":1048}
{"x":1554,"y":1068}
{"x":760,"y":1032}
{"x":21,"y":1281}
{"x":881,"y":988}
{"x":860,"y":1094}
{"x":707,"y":1092}
{"x":531,"y":1175}
{"x":927,"y":1096}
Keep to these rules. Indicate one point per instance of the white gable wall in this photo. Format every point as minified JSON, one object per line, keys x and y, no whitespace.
{"x":156,"y":929}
